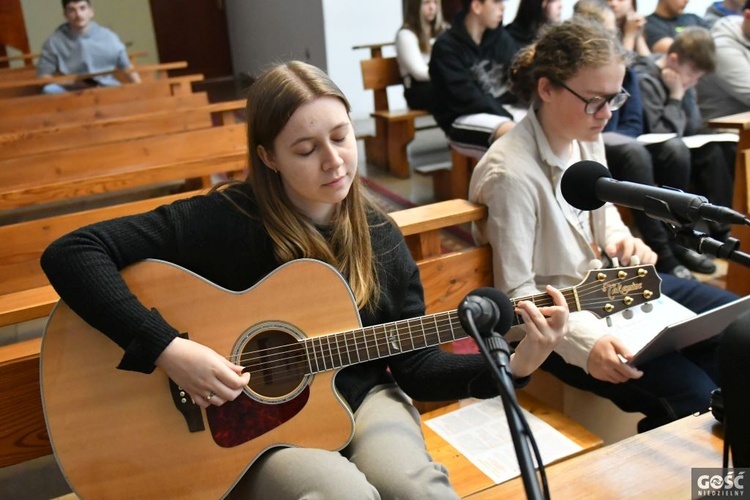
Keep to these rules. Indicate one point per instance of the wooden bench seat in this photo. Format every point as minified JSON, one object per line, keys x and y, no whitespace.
{"x":394,"y":129}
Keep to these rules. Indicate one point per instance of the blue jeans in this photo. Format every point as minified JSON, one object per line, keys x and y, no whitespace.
{"x":672,"y":386}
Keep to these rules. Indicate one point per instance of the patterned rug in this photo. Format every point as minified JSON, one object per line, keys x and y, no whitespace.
{"x":451,"y":239}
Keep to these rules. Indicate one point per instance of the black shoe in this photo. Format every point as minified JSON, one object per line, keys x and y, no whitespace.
{"x":682,"y":272}
{"x":695,"y":261}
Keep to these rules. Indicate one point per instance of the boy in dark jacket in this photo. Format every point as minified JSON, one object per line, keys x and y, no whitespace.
{"x":468,"y":68}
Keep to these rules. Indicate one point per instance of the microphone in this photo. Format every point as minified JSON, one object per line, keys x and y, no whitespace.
{"x":490,"y":309}
{"x":586,"y":185}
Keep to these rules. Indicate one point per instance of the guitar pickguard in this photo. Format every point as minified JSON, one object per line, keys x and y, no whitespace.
{"x":239,"y":421}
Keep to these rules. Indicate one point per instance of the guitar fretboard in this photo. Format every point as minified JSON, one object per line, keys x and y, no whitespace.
{"x":329,"y":352}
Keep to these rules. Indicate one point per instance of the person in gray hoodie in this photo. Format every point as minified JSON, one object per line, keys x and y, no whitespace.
{"x":667,"y":83}
{"x":727,"y":90}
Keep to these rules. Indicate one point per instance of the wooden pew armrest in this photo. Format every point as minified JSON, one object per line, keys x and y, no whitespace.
{"x":27,"y":304}
{"x":405,"y":114}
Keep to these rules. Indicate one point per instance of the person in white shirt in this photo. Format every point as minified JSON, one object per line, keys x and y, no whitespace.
{"x":422,"y":24}
{"x":573,"y":78}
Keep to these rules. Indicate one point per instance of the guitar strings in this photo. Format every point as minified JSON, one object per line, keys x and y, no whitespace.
{"x":327,"y":361}
{"x":392,"y":335}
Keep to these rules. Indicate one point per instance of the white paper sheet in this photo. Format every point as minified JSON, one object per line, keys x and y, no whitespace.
{"x":691,"y":141}
{"x":480,"y":432}
{"x":636,"y":328}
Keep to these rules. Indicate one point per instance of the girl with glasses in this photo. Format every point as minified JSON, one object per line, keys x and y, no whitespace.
{"x":573,"y":77}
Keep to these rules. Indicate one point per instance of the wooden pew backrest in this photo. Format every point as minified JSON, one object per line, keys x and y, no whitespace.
{"x":160,"y":122}
{"x":58,"y":103}
{"x":36,"y":179}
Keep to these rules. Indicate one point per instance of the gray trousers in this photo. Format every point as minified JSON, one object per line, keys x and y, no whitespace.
{"x":385,"y":459}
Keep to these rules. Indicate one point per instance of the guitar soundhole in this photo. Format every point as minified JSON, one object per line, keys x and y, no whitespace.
{"x":277,"y":364}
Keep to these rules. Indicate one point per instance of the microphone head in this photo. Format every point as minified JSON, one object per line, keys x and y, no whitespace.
{"x":578,"y":184}
{"x":503,"y":304}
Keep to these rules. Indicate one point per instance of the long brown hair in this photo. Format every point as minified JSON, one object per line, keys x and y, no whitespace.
{"x":272,"y":100}
{"x":425,"y":31}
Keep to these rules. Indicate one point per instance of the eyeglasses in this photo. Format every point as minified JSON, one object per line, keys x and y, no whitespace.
{"x":596,"y":103}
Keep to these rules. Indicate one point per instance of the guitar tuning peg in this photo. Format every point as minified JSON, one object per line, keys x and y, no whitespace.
{"x":595,"y":264}
{"x":627,"y":314}
{"x":647,"y":307}
{"x":615,"y":262}
{"x":635,"y":260}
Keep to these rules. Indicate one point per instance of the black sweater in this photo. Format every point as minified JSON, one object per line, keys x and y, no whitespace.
{"x":211,"y":237}
{"x":470,"y":78}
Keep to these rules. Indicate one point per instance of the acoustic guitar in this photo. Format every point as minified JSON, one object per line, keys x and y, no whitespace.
{"x":119,"y":434}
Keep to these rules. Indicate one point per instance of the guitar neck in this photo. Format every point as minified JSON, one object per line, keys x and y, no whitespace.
{"x":338,"y":350}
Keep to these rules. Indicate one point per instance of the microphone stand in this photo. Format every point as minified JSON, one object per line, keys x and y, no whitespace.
{"x":496,"y":353}
{"x":702,"y":243}
{"x":682,"y":228}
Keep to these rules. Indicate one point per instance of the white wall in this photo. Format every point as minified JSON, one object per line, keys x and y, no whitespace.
{"x":262,"y":32}
{"x":355,"y":22}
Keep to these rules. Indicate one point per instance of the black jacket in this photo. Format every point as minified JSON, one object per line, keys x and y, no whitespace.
{"x":470,"y":78}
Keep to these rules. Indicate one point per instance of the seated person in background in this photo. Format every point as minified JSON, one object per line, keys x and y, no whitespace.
{"x":665,"y":163}
{"x":306,"y":201}
{"x":631,"y":26}
{"x":531,"y":16}
{"x":720,"y":9}
{"x":468,"y":69}
{"x":81,"y":46}
{"x":423,"y":23}
{"x":726,"y":91}
{"x":668,"y":19}
{"x":573,"y":77}
{"x":669,"y":106}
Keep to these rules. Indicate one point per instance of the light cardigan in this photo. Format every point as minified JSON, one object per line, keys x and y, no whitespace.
{"x":412,"y":62}
{"x":535,"y":236}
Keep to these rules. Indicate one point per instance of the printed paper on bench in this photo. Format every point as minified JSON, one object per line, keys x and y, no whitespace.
{"x":480,"y":432}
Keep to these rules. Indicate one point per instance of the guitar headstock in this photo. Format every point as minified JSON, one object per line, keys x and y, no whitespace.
{"x":608,"y":291}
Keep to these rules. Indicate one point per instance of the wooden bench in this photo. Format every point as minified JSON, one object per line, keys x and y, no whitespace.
{"x":738,"y":276}
{"x":447,"y":278}
{"x":38,"y":180}
{"x":33,"y":86}
{"x":90,"y":98}
{"x":27,"y":59}
{"x":29,"y":71}
{"x":168,"y":115}
{"x":394,"y":129}
{"x":91,"y":112}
